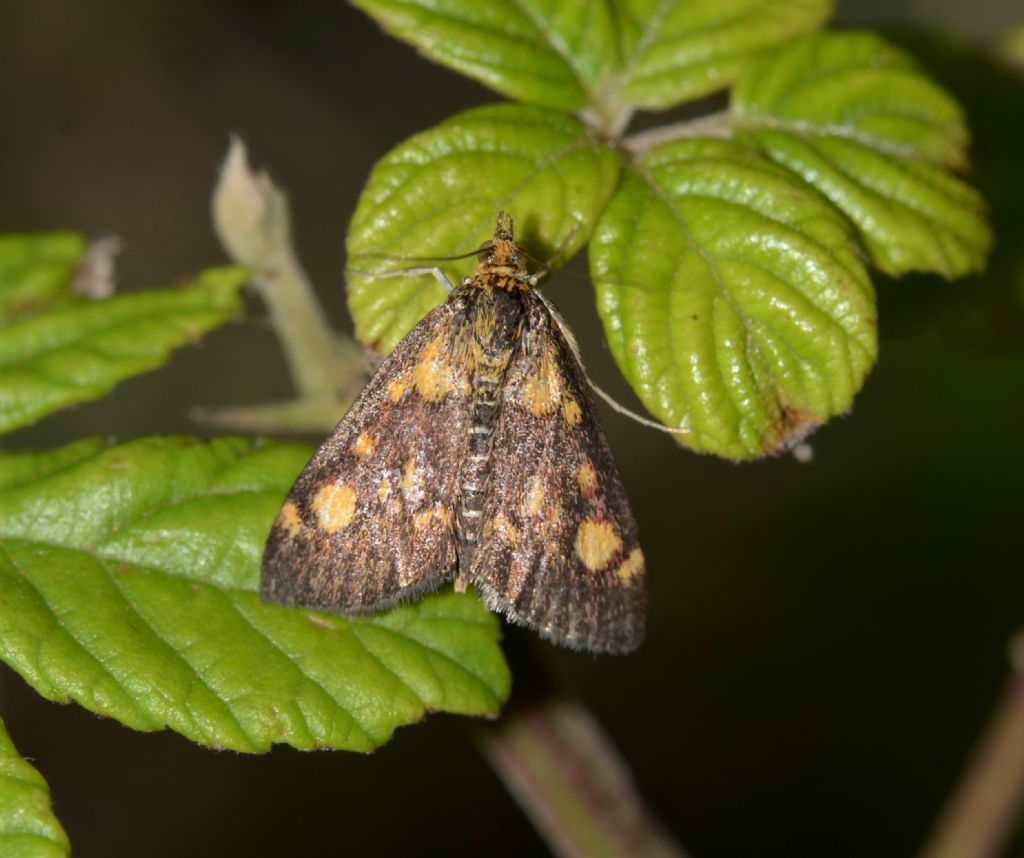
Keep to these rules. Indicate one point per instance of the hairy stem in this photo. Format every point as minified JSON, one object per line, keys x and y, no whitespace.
{"x":310,"y":348}
{"x":254,"y":224}
{"x":712,"y":125}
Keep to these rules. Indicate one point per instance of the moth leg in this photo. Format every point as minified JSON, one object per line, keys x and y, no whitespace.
{"x":434,"y":271}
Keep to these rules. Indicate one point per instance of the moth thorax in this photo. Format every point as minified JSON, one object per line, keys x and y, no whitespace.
{"x":498,"y":320}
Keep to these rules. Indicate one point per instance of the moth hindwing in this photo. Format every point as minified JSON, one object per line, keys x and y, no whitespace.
{"x":475,"y":455}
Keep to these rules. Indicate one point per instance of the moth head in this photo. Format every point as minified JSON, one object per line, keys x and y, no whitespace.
{"x":502,"y":249}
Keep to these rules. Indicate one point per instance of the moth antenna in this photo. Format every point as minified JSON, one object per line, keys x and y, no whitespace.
{"x":392,"y":257}
{"x":615,"y":405}
{"x":639,"y":418}
{"x":433,"y":270}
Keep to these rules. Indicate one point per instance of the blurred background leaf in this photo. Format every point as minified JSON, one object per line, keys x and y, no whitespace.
{"x":79,"y":348}
{"x":36,"y":269}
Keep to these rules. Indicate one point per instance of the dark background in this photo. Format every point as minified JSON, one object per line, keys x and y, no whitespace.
{"x":825,"y":640}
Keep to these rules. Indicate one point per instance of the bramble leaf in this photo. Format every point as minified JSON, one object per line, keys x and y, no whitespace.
{"x":439,"y":192}
{"x":127,"y":579}
{"x":30,"y":465}
{"x":544,"y":52}
{"x":605,"y":57}
{"x":28,"y":828}
{"x":675,"y":50}
{"x":79,"y":348}
{"x":855,"y":117}
{"x":732,"y":297}
{"x":36,"y":269}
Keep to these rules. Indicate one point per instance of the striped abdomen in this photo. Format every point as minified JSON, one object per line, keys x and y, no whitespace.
{"x":472,"y":483}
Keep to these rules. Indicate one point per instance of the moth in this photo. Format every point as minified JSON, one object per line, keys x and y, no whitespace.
{"x":473,"y":455}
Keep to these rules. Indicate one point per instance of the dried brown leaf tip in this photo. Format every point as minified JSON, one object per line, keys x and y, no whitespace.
{"x":474,"y":455}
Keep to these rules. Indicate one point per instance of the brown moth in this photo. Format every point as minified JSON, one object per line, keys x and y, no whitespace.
{"x":475,"y":455}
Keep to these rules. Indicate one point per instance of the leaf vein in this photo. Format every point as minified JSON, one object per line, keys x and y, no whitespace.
{"x":178,"y":653}
{"x":475,"y":677}
{"x":316,"y":683}
{"x":63,"y":628}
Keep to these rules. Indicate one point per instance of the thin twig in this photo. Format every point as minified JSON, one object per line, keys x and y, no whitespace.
{"x":983,"y":812}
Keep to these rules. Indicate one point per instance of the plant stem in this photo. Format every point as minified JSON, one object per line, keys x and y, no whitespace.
{"x":315,"y":416}
{"x":983,"y":811}
{"x":309,"y":346}
{"x":561,"y":768}
{"x":254,"y":224}
{"x":713,"y":125}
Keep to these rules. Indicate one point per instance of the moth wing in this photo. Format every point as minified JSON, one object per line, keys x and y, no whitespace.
{"x":558,"y":544}
{"x":370,"y":521}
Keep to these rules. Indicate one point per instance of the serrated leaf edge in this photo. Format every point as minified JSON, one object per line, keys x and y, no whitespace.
{"x":160,"y":719}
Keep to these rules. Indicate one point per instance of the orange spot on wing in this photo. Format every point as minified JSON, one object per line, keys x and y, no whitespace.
{"x":363,"y":445}
{"x":438,"y":512}
{"x":503,"y":529}
{"x":586,"y":476}
{"x":596,"y":543}
{"x":334,"y":506}
{"x":408,"y":473}
{"x":422,"y":519}
{"x":541,"y":393}
{"x":434,"y":374}
{"x":290,"y":519}
{"x":411,"y":483}
{"x":396,"y":389}
{"x":571,"y":412}
{"x":534,"y":497}
{"x":632,"y":567}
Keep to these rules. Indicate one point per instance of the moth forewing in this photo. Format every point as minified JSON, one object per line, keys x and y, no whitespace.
{"x":368,"y":523}
{"x":474,"y":453}
{"x":560,"y":550}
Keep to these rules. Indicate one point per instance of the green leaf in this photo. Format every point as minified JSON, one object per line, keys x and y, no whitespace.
{"x":80,"y":348}
{"x":35,"y":269}
{"x":438,"y":194}
{"x":732,"y":298}
{"x":855,"y":117}
{"x":545,"y":52}
{"x":29,"y":465}
{"x":675,"y":50}
{"x":127,"y":579}
{"x":28,"y":828}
